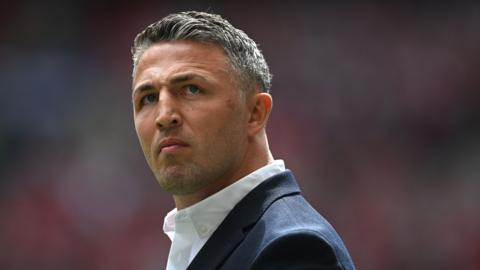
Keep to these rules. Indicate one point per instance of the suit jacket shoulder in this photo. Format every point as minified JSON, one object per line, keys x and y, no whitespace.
{"x":274,"y":227}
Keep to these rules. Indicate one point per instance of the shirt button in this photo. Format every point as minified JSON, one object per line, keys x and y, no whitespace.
{"x":203,"y":229}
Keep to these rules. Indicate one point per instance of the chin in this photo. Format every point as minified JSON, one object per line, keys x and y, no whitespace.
{"x":176,"y":181}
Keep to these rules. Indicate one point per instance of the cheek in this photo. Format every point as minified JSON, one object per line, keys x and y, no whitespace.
{"x":227,"y":127}
{"x":145,"y":132}
{"x":217,"y":126}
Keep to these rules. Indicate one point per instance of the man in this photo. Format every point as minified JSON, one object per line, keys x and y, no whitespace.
{"x":201,"y":103}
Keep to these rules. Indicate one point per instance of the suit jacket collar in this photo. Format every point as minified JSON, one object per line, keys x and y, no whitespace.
{"x":242,"y":217}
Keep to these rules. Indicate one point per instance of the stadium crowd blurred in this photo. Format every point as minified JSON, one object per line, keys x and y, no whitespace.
{"x":376,"y":110}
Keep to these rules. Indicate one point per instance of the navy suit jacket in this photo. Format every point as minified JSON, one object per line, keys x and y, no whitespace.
{"x":273,"y":227}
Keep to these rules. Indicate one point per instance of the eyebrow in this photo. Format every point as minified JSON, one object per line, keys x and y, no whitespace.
{"x":143,"y":87}
{"x":180,"y":78}
{"x":186,"y":77}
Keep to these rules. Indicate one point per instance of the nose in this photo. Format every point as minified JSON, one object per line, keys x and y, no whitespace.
{"x":168,"y":116}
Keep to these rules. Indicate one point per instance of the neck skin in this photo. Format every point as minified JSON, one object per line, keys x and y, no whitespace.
{"x":257,"y":156}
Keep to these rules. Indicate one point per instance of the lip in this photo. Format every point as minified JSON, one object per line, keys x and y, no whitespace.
{"x":169,"y":145}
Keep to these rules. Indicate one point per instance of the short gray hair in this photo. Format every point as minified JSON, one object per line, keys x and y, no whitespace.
{"x":241,"y":50}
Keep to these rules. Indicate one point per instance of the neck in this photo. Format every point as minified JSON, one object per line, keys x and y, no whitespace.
{"x":258,"y":156}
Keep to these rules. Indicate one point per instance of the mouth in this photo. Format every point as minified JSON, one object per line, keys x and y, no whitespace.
{"x":170,"y":145}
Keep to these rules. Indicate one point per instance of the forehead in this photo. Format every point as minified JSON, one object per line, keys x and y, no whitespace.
{"x":170,"y":55}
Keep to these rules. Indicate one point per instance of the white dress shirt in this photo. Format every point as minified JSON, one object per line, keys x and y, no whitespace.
{"x":190,"y":228}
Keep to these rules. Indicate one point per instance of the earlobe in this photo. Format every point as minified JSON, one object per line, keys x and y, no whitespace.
{"x":261,"y":107}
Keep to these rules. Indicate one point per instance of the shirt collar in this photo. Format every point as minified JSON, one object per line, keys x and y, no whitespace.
{"x":207,"y":214}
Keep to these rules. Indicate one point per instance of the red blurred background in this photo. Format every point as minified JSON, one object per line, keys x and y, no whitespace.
{"x":376,"y":112}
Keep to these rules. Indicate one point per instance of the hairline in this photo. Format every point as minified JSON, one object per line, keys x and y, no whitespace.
{"x":235,"y":73}
{"x":246,"y":59}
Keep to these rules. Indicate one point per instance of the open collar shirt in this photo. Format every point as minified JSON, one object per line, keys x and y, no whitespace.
{"x":191,"y":227}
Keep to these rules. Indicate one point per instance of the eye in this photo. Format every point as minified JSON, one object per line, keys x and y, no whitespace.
{"x":149,"y":98}
{"x":192,"y":89}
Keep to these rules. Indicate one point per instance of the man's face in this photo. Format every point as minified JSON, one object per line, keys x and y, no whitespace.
{"x":190,"y":116}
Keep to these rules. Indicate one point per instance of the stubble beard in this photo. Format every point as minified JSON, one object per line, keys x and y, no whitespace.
{"x":181,"y":179}
{"x":187,"y":177}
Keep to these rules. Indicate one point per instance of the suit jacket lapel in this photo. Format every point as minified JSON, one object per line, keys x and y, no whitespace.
{"x":242,"y":217}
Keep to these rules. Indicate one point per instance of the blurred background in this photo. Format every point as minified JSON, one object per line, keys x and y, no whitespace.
{"x":376,"y":112}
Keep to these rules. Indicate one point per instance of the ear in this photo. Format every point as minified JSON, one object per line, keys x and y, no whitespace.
{"x":260,"y":108}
